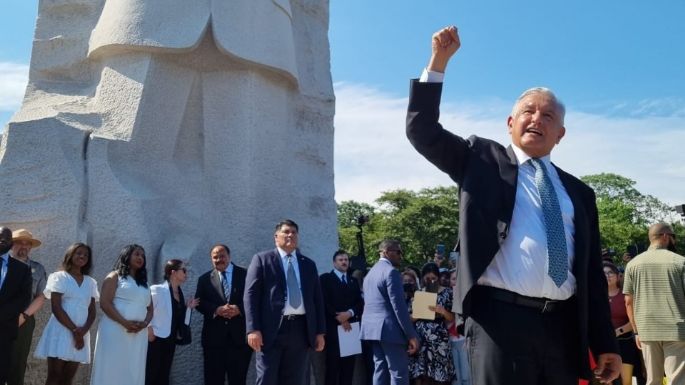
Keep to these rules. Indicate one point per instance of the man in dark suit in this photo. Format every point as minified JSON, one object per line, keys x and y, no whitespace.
{"x":342,"y":299}
{"x":284,"y":310}
{"x":15,"y":295}
{"x":225,"y":349}
{"x":530,"y":279}
{"x":385,"y":321}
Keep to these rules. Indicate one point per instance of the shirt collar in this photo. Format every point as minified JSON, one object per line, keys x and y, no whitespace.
{"x":229,"y":269}
{"x":283,"y":253}
{"x":338,"y":273}
{"x":522,"y":157}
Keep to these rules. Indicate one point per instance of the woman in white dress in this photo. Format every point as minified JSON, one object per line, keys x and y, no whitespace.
{"x":65,"y":341}
{"x":121,"y":345}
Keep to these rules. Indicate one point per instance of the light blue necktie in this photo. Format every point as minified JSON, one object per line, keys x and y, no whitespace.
{"x":294,"y":295}
{"x":227,"y":288}
{"x":554,"y":225}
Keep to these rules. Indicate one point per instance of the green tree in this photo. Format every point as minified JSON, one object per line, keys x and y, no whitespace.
{"x":625,"y":214}
{"x":420,"y":220}
{"x":348,"y":214}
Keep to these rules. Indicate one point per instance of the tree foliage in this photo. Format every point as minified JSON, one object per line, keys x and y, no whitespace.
{"x":625,"y":214}
{"x":422,"y":219}
{"x":419,"y":220}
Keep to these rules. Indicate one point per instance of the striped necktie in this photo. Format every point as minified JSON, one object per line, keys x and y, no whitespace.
{"x":227,"y":288}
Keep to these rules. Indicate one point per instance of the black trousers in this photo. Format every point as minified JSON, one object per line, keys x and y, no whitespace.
{"x":511,"y":344}
{"x":229,"y":361}
{"x":286,"y":361}
{"x":6,"y":347}
{"x":339,"y":370}
{"x":160,"y":355}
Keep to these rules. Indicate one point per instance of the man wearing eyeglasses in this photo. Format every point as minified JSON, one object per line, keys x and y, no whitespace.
{"x":654,"y":288}
{"x":385,"y":319}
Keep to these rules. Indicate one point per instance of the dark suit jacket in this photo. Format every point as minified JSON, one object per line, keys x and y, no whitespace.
{"x":15,"y":296}
{"x":218,"y":331}
{"x":486,"y":173}
{"x":266,"y":291}
{"x":339,"y":297}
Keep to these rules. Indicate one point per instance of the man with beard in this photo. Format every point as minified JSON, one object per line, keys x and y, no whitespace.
{"x":15,"y":295}
{"x":654,"y":289}
{"x":385,"y":321}
{"x":22,"y":244}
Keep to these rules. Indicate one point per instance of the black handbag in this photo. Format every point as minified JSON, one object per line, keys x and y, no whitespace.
{"x":183,"y":335}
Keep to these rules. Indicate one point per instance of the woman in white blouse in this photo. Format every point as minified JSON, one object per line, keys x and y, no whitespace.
{"x":169,"y":317}
{"x":65,"y":341}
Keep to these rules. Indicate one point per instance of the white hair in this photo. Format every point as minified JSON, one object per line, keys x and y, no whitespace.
{"x":541,"y":90}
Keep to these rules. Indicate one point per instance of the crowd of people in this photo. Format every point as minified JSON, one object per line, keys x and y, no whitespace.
{"x":142,"y":323}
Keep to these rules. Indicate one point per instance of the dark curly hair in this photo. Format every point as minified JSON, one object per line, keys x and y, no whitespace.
{"x":67,"y":262}
{"x":122,"y":266}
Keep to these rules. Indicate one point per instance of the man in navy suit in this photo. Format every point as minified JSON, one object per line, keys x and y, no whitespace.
{"x":385,"y":319}
{"x":530,"y":279}
{"x":220,"y":291}
{"x":342,"y":297}
{"x":283,"y":309}
{"x":15,"y":295}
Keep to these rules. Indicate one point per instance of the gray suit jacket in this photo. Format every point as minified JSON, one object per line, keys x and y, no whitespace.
{"x":385,"y":316}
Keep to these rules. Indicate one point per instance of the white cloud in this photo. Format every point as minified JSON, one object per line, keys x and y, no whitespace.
{"x":13,"y":80}
{"x":372,"y":153}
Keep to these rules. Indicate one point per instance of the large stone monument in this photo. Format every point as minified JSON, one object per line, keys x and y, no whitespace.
{"x":173,"y":124}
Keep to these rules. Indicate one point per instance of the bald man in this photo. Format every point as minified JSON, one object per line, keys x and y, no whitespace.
{"x":654,"y":286}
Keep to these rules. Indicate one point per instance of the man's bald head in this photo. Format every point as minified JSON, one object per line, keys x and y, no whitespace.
{"x":658,"y":229}
{"x":661,"y":234}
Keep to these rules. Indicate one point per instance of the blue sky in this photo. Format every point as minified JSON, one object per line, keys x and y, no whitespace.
{"x":618,"y":65}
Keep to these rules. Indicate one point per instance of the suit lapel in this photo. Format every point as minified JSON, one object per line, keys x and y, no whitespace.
{"x":278,"y":266}
{"x":579,"y":216}
{"x":509,"y":171}
{"x":304,"y":284}
{"x":9,"y":276}
{"x":216,"y":282}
